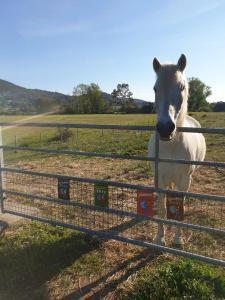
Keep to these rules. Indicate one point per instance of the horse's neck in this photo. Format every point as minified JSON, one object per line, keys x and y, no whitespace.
{"x":182,"y":114}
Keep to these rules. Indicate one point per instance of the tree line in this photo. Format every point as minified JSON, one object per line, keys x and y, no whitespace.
{"x":89,"y":99}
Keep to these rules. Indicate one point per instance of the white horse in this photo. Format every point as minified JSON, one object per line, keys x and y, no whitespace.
{"x":171,"y":95}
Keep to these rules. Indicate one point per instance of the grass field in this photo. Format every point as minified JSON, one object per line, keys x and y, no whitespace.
{"x":107,"y":140}
{"x":39,"y":261}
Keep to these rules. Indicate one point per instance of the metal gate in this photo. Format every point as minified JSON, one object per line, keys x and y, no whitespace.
{"x":109,"y":209}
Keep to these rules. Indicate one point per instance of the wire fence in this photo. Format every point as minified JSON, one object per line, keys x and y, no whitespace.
{"x":111,"y":209}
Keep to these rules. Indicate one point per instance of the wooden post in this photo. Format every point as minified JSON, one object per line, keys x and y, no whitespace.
{"x":40,"y":139}
{"x":1,"y":175}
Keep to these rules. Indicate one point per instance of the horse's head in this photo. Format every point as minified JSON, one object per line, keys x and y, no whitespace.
{"x":171,"y":92}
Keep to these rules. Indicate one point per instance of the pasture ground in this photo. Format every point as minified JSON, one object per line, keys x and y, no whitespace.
{"x":39,"y":261}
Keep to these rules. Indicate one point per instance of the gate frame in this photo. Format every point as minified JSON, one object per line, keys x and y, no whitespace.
{"x":154,"y":188}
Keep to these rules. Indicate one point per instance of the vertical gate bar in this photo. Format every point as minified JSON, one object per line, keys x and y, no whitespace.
{"x":1,"y":175}
{"x":156,"y":177}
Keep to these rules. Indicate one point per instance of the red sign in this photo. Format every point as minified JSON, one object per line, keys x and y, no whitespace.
{"x":145,"y":203}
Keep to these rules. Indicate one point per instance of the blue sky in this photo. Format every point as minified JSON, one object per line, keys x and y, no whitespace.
{"x":55,"y":45}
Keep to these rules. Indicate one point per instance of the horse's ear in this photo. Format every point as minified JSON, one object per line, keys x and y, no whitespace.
{"x":181,"y":64}
{"x":156,"y":65}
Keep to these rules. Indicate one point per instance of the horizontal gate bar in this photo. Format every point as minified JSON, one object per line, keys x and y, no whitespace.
{"x":117,"y":156}
{"x":87,"y":126}
{"x":108,"y":235}
{"x":119,"y":184}
{"x":110,"y":126}
{"x":118,"y":212}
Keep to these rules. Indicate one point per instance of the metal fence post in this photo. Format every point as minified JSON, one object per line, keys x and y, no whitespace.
{"x":156,"y":177}
{"x":1,"y":174}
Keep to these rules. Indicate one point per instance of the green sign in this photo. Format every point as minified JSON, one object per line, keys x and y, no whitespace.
{"x":101,"y":195}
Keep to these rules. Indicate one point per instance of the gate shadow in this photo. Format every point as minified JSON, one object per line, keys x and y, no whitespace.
{"x":122,"y":272}
{"x":3,"y":226}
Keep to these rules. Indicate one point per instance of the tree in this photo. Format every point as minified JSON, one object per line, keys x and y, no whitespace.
{"x":198,"y":94}
{"x":218,"y":106}
{"x":148,"y":108}
{"x":122,"y":95}
{"x":88,"y":98}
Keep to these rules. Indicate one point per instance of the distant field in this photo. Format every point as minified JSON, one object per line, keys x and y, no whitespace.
{"x":97,"y":140}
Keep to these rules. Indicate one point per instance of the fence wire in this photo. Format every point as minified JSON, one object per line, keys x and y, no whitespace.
{"x":81,"y":211}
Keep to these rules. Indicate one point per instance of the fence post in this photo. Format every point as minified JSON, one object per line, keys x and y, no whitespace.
{"x":1,"y":174}
{"x":15,"y":143}
{"x":156,"y":178}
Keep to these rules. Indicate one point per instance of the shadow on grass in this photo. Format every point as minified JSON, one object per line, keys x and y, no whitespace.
{"x":121,"y":273}
{"x":3,"y":226}
{"x":34,"y":253}
{"x":27,"y":263}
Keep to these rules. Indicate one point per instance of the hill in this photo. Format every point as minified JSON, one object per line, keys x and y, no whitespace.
{"x":12,"y":92}
{"x":15,"y":99}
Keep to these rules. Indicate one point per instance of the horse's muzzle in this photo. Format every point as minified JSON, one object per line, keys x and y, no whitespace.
{"x":165,"y":130}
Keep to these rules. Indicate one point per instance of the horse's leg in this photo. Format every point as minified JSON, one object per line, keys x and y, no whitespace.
{"x":184,"y":184}
{"x":161,"y":207}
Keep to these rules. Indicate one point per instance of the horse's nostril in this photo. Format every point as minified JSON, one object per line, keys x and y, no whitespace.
{"x":159,"y":126}
{"x":171,"y":126}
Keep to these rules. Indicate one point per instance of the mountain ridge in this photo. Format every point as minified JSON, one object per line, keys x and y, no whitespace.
{"x":16,"y":99}
{"x":11,"y":89}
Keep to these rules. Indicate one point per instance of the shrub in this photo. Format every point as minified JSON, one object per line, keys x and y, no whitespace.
{"x":62,"y":134}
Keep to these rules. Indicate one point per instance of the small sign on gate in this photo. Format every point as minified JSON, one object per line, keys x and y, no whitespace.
{"x":101,"y":194}
{"x":146,"y":203}
{"x":64,"y":188}
{"x":175,"y":208}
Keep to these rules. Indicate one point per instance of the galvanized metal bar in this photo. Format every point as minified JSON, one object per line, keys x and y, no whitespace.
{"x":78,"y":153}
{"x":156,"y":168}
{"x":118,"y":212}
{"x":1,"y":175}
{"x":108,"y":235}
{"x":120,"y":184}
{"x":68,"y":125}
{"x":117,"y":156}
{"x":202,"y":130}
{"x":109,"y":126}
{"x":208,"y":163}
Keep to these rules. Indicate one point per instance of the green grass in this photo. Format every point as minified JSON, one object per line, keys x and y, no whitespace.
{"x":181,"y":279}
{"x":33,"y":253}
{"x":110,"y":141}
{"x":113,"y":141}
{"x":37,"y":259}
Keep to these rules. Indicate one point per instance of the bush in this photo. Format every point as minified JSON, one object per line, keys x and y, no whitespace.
{"x":62,"y":134}
{"x":178,"y":280}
